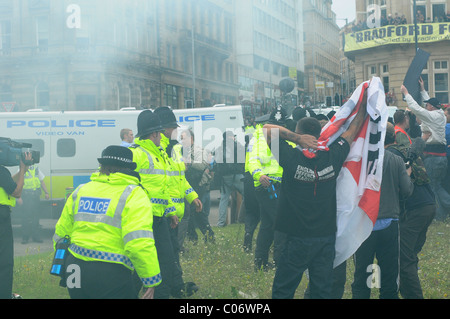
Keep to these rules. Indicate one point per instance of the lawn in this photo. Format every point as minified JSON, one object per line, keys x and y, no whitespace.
{"x":223,"y":271}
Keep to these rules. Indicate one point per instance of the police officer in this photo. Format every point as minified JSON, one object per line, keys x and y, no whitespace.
{"x":179,"y":190}
{"x":110,"y":230}
{"x":252,"y":216}
{"x":153,"y":165}
{"x":267,"y":175}
{"x":30,"y":201}
{"x":10,"y":189}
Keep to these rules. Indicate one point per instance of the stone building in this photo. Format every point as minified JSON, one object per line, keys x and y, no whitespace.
{"x":269,"y":48}
{"x":322,"y":56}
{"x":111,"y":54}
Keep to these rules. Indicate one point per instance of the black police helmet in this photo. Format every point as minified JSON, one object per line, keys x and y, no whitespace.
{"x":278,"y":116}
{"x":167,"y":117}
{"x":148,"y":122}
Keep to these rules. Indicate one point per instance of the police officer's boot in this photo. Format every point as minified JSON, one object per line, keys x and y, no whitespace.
{"x":248,"y":242}
{"x":261,"y":264}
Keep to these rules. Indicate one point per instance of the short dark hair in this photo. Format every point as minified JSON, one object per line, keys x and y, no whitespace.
{"x":399,"y":116}
{"x":390,"y":134}
{"x":310,"y":126}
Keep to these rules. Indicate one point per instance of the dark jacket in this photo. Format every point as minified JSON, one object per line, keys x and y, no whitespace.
{"x":395,"y":185}
{"x":423,"y":194}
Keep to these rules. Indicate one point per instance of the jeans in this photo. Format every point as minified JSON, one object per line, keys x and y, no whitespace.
{"x":229,"y":183}
{"x":316,"y":255}
{"x":384,"y":245}
{"x":436,"y":167}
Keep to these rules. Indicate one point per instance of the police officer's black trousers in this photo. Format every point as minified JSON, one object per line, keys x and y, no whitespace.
{"x":252,"y":215}
{"x":6,"y":253}
{"x":99,"y":280}
{"x":267,"y":234}
{"x":170,"y":273}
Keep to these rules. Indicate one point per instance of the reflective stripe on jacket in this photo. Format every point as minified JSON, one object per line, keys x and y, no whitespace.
{"x":153,"y":165}
{"x":31,"y":179}
{"x":109,"y":219}
{"x":261,"y":160}
{"x":179,"y":187}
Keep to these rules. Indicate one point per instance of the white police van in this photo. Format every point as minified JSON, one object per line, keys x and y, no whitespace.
{"x":71,"y":141}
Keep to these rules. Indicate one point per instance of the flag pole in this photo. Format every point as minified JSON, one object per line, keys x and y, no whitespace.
{"x":415,"y":25}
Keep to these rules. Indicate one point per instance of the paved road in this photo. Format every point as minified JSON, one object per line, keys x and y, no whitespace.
{"x":48,"y":227}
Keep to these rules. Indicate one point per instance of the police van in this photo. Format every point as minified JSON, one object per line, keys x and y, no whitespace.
{"x":70,"y":142}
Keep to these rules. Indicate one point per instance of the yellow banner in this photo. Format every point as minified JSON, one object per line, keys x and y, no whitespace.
{"x":293,"y":73}
{"x":401,"y":34}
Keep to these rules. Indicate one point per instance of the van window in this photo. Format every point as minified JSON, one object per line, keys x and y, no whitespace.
{"x":36,"y":144}
{"x":66,"y":147}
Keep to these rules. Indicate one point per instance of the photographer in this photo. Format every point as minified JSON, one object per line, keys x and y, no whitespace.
{"x":10,"y":189}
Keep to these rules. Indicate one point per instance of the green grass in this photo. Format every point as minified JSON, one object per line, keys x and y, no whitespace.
{"x":223,"y":271}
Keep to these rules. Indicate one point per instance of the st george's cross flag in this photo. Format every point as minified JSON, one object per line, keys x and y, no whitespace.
{"x":358,"y":184}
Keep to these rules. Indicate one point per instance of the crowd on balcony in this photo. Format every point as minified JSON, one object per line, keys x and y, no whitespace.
{"x":396,"y":19}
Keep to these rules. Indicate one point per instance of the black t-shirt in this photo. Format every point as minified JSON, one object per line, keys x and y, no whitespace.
{"x":307,"y":202}
{"x":6,"y":181}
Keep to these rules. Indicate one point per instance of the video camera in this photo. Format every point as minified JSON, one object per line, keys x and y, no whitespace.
{"x":12,"y":153}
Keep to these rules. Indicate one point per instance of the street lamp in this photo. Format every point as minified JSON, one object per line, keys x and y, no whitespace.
{"x":193,"y":56}
{"x":271,"y":70}
{"x":415,"y":25}
{"x":314,"y":70}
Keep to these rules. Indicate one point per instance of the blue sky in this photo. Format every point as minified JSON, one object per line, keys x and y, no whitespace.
{"x":344,"y":9}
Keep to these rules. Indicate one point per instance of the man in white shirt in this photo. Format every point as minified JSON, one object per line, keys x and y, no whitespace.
{"x":433,"y":127}
{"x":127,"y":137}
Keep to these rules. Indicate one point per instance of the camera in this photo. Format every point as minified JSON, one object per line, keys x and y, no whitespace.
{"x":12,"y":153}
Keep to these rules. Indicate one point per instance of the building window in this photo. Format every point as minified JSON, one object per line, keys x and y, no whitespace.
{"x":441,"y":87}
{"x":5,"y":94}
{"x":5,"y":37}
{"x":83,"y":35}
{"x":42,"y":30}
{"x":371,"y":71}
{"x":439,"y":12}
{"x":85,"y":102}
{"x":136,"y":97}
{"x":42,"y":96}
{"x":66,"y":147}
{"x":171,"y":96}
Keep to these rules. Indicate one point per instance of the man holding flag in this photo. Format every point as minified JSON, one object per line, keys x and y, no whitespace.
{"x":330,"y":196}
{"x":307,"y":211}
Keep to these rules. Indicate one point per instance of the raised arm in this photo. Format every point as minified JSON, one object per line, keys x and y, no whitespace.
{"x":357,"y":123}
{"x":304,"y":140}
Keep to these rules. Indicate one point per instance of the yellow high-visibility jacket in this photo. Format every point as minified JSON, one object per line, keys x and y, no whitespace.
{"x":261,"y":160}
{"x":31,"y":180}
{"x":153,"y":165}
{"x":179,"y":187}
{"x":6,"y":199}
{"x":108,"y":220}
